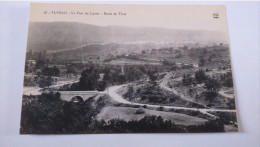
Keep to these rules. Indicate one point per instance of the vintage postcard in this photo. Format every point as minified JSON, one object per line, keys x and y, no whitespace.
{"x":93,"y":68}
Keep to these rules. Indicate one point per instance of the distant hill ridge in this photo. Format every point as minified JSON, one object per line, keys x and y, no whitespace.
{"x":66,"y":35}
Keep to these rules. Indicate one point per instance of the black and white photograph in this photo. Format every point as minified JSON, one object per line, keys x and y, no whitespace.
{"x":92,"y":69}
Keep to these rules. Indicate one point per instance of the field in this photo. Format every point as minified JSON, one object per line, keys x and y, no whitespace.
{"x":127,"y":114}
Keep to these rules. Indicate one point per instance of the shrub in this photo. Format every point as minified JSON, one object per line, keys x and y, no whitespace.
{"x":231,"y":104}
{"x":161,"y":108}
{"x":140,"y":111}
{"x":136,"y":106}
{"x":200,"y":76}
{"x":118,"y":104}
{"x":50,"y":96}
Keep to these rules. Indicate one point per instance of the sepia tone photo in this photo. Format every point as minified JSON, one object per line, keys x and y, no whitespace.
{"x":127,"y":69}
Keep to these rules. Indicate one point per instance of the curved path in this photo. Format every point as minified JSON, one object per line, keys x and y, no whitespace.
{"x":223,"y":93}
{"x":36,"y":90}
{"x":112,"y":92}
{"x":164,"y":86}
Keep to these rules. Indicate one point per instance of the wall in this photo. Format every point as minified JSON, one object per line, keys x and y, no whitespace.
{"x":67,"y":95}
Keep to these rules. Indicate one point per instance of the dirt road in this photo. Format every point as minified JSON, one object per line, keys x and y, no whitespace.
{"x":164,"y":86}
{"x":36,"y":90}
{"x":112,"y":92}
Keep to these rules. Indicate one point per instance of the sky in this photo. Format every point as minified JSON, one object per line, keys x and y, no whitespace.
{"x":191,"y":17}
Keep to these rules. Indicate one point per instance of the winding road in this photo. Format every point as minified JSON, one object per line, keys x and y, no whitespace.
{"x":112,"y":92}
{"x":164,"y":86}
{"x":37,"y":90}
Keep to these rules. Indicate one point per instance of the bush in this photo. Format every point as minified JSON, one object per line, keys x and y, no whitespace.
{"x":209,"y":95}
{"x":118,"y":104}
{"x":50,"y":96}
{"x":167,"y":62}
{"x":140,"y":111}
{"x":148,"y":124}
{"x":210,"y":105}
{"x":187,"y":79}
{"x":161,"y":108}
{"x":136,"y":106}
{"x":209,"y":126}
{"x":200,"y":76}
{"x":231,"y":104}
{"x":187,"y":66}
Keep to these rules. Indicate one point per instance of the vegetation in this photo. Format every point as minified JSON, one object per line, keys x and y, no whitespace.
{"x":161,"y":108}
{"x":90,"y":77}
{"x":50,"y":71}
{"x":231,"y":104}
{"x":129,"y":93}
{"x":200,"y":76}
{"x":39,"y":64}
{"x":227,"y":118}
{"x":71,"y":70}
{"x":211,"y":84}
{"x":29,"y":81}
{"x":140,"y":111}
{"x":45,"y":115}
{"x":53,"y":97}
{"x":184,"y":66}
{"x":187,"y":79}
{"x":44,"y":81}
{"x":168,"y":62}
{"x":155,"y":95}
{"x":227,"y":79}
{"x":212,"y":87}
{"x":202,"y":62}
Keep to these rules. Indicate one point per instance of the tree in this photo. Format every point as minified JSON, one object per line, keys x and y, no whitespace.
{"x":202,"y":62}
{"x":129,"y":93}
{"x":186,"y":66}
{"x":227,"y":79}
{"x":50,"y":71}
{"x":39,"y":64}
{"x":50,"y":97}
{"x":89,"y":79}
{"x":212,"y":84}
{"x":71,"y":70}
{"x":152,"y":75}
{"x":107,"y":75}
{"x":200,"y":76}
{"x":212,"y":87}
{"x":167,"y":62}
{"x":49,"y":81}
{"x":161,"y":108}
{"x":187,"y":79}
{"x":44,"y":81}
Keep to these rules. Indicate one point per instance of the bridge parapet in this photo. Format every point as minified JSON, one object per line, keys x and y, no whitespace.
{"x":68,"y":95}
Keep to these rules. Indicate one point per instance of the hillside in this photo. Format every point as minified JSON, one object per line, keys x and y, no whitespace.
{"x":67,"y":35}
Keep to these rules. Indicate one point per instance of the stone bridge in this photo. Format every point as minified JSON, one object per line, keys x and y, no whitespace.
{"x":68,"y":95}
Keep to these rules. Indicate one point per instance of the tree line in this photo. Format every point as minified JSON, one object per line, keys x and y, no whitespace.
{"x":96,"y":77}
{"x":46,"y":115}
{"x":211,"y":84}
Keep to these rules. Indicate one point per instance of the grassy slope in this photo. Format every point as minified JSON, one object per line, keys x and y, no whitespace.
{"x":127,"y":114}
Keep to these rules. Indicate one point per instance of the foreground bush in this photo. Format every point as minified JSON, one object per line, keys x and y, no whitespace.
{"x":45,"y":116}
{"x":140,"y":111}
